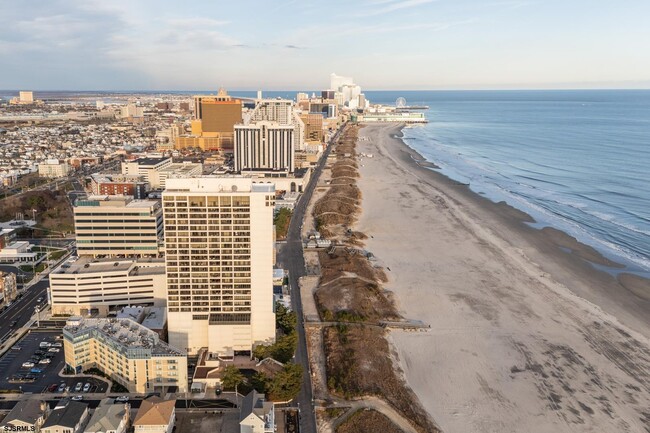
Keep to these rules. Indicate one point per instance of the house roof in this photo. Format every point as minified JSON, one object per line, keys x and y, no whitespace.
{"x":254,"y":403}
{"x":67,"y":416}
{"x":107,"y":416}
{"x":27,"y":411}
{"x":155,"y":411}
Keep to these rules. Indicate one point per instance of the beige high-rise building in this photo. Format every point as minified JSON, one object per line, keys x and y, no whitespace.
{"x":118,"y":225}
{"x":219,"y":256}
{"x":26,"y":97}
{"x":127,"y":352}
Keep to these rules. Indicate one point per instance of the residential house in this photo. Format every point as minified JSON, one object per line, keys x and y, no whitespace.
{"x":155,"y":415}
{"x":27,"y":415}
{"x":256,"y":414}
{"x":67,"y":419}
{"x":109,"y":418}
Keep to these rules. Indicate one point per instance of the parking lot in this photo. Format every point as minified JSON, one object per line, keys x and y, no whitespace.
{"x":42,"y":377}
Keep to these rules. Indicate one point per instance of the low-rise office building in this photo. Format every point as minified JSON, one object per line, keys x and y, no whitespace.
{"x":114,"y":225}
{"x":128,"y":352}
{"x":97,"y":286}
{"x":119,"y":184}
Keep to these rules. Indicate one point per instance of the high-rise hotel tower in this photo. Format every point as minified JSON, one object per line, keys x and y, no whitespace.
{"x":219,"y":253}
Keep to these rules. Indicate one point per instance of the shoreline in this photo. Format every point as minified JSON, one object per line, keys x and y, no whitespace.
{"x":604,"y":258}
{"x":526,"y":335}
{"x":572,"y":253}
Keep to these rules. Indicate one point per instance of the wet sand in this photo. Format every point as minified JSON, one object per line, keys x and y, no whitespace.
{"x":526,"y":336}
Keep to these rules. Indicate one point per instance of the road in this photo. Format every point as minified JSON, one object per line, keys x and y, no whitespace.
{"x":21,"y":310}
{"x":290,"y":257}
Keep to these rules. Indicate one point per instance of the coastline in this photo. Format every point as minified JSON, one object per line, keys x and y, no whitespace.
{"x":555,"y":248}
{"x":524,"y":329}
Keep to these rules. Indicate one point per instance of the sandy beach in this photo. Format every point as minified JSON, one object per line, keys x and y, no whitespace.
{"x":525,"y":335}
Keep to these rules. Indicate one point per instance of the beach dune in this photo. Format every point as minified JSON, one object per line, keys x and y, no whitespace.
{"x":525,"y":335}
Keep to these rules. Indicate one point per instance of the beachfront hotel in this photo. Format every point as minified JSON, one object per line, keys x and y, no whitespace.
{"x":118,"y":225}
{"x":219,"y":257}
{"x":128,"y":352}
{"x":87,"y":286}
{"x":264,"y":146}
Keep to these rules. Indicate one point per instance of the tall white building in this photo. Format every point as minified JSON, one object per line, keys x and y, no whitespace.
{"x":219,"y":258}
{"x":274,"y":110}
{"x":264,"y":146}
{"x":118,"y":226}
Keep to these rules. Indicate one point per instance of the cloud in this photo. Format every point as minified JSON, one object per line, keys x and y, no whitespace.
{"x":392,"y":6}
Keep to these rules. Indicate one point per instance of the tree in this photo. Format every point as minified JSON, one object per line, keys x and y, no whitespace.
{"x":231,"y":378}
{"x":285,"y":319}
{"x":286,"y":384}
{"x":260,"y":382}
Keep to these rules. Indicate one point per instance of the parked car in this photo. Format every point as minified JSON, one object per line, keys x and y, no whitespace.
{"x":28,"y":364}
{"x":61,"y":388}
{"x":87,"y":387}
{"x":16,"y":347}
{"x":44,"y":361}
{"x":78,"y":386}
{"x":54,"y":349}
{"x":77,"y":398}
{"x":45,"y":344}
{"x":39,"y":300}
{"x":57,"y":344}
{"x":36,"y":371}
{"x":52,"y":387}
{"x":122,"y":399}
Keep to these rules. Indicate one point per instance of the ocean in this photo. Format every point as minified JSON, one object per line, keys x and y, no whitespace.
{"x":576,"y":160}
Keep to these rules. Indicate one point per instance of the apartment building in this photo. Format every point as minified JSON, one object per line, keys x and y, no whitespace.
{"x":129,"y":353}
{"x":221,"y":298}
{"x":85,"y":286}
{"x":117,"y":225}
{"x":119,"y":184}
{"x":264,"y":146}
{"x":53,"y":169}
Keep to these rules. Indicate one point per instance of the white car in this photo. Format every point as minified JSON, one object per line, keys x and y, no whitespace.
{"x":57,"y":345}
{"x":44,"y":361}
{"x":45,"y":344}
{"x":122,"y":399}
{"x":54,"y":349}
{"x":77,"y":398}
{"x":28,"y":364}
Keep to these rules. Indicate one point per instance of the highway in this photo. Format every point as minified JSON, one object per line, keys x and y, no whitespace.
{"x":290,"y":257}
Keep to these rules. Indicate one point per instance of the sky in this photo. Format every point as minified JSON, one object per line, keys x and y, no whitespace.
{"x":296,"y":44}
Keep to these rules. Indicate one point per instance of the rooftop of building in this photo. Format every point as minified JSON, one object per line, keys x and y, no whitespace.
{"x":155,"y":318}
{"x":116,"y":178}
{"x":181,"y":168}
{"x":148,"y":160}
{"x":88,"y":265}
{"x":115,"y":201}
{"x":126,"y":333}
{"x":211,"y":183}
{"x":107,"y":416}
{"x":154,"y":411}
{"x":67,"y":416}
{"x":27,"y":411}
{"x":255,"y":403}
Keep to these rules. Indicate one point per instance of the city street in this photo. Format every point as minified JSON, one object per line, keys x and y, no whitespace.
{"x":290,"y":257}
{"x":22,"y":309}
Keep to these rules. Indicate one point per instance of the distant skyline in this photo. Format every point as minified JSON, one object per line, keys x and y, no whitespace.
{"x":291,"y":45}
